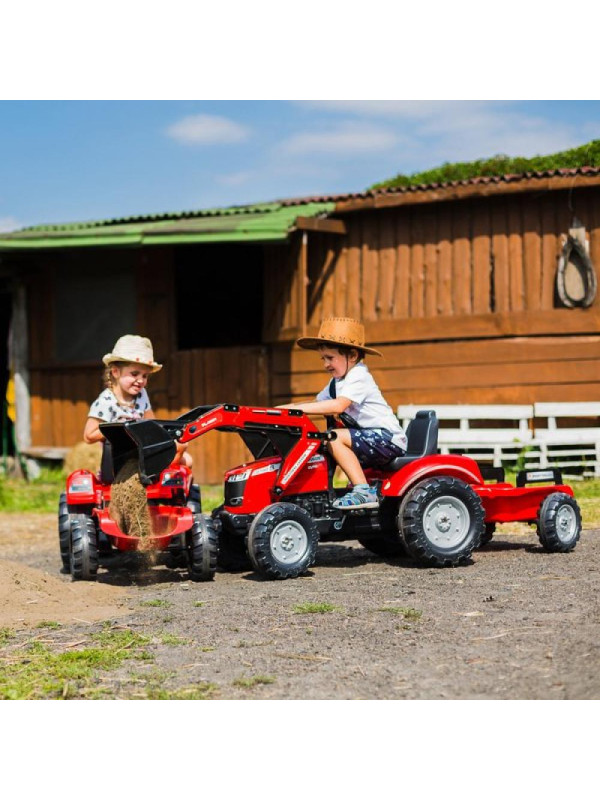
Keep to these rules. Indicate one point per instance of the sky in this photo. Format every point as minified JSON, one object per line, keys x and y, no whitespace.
{"x":77,"y":160}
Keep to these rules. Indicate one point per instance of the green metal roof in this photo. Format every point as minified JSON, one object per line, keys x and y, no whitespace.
{"x":270,"y":222}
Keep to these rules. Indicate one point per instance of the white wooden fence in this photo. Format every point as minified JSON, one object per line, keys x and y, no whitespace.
{"x":541,"y":435}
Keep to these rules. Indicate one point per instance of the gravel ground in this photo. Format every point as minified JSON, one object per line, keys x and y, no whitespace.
{"x":516,"y":623}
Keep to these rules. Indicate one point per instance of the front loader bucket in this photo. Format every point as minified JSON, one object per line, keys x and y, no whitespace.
{"x":150,"y":441}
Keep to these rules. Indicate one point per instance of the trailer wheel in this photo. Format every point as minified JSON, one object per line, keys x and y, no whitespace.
{"x":282,"y":541}
{"x":64,"y":532}
{"x":442,"y":521}
{"x":83,"y":547}
{"x":201,"y":546}
{"x":559,"y":523}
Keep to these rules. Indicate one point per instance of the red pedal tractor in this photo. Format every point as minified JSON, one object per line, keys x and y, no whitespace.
{"x":180,"y":531}
{"x":278,"y":507}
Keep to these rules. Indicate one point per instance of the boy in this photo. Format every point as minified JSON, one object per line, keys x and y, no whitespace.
{"x":372,"y":436}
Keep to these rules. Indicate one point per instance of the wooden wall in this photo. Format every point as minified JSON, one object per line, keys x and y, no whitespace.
{"x":61,"y":394}
{"x":460,"y":298}
{"x":458,"y":295}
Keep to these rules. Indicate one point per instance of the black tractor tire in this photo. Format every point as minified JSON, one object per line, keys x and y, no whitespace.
{"x":488,"y":533}
{"x":387,"y":544}
{"x":559,"y":523}
{"x":442,"y":521}
{"x":64,"y":533}
{"x":194,"y":501}
{"x":202,"y":542}
{"x":233,"y":553}
{"x":282,"y":541}
{"x":83,"y":544}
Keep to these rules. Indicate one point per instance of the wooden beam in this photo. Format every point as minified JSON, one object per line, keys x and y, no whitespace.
{"x":443,"y":194}
{"x":321,"y":225}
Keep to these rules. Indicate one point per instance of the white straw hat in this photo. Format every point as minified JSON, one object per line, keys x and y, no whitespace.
{"x":133,"y":350}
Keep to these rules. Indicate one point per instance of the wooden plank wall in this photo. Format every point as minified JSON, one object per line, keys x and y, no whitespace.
{"x":61,"y":394}
{"x":460,"y":298}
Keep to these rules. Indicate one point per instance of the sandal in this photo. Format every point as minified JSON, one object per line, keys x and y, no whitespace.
{"x":361,"y":496}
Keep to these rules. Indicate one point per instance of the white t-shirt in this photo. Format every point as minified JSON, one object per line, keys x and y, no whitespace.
{"x":367,"y":406}
{"x":107,"y":408}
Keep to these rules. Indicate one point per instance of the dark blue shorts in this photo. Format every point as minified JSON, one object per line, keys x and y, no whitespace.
{"x":374,"y":447}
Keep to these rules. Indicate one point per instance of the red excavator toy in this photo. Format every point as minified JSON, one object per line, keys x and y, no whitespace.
{"x":437,"y":508}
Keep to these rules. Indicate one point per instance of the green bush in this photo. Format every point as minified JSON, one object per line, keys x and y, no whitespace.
{"x":587,"y":155}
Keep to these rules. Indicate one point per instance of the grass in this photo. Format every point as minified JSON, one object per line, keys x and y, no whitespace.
{"x":155,"y":603}
{"x":407,"y":613}
{"x":315,"y":608}
{"x":38,"y":673}
{"x":256,"y":680}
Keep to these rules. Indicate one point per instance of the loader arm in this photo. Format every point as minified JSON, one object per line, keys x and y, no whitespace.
{"x":287,"y":432}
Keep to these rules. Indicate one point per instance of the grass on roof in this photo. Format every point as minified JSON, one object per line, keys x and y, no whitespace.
{"x":587,"y":155}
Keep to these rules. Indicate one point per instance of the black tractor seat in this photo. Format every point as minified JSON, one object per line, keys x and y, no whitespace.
{"x":422,"y":434}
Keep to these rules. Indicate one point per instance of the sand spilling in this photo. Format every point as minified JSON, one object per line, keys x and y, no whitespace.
{"x":129,"y":505}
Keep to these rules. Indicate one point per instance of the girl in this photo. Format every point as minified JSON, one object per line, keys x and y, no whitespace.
{"x":125,"y":397}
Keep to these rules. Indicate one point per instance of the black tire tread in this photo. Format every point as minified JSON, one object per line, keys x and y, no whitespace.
{"x":64,"y":532}
{"x":410,"y":520}
{"x":259,"y":541}
{"x":546,"y":523}
{"x":83,"y":548}
{"x":202,"y":545}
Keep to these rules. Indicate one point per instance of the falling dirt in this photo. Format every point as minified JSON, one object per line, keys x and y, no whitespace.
{"x":128,"y":504}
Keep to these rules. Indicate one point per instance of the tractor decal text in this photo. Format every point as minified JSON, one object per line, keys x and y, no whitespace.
{"x":294,"y":469}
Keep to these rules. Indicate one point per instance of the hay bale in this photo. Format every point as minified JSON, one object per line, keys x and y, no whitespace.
{"x":128,"y":503}
{"x":83,"y":456}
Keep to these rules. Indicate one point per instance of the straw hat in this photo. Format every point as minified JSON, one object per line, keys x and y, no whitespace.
{"x":336,"y":331}
{"x":133,"y":350}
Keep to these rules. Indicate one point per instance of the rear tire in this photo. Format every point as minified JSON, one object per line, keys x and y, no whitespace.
{"x":233,"y":553}
{"x":386,"y":544}
{"x":201,"y":546}
{"x":282,"y":541}
{"x":442,"y":521}
{"x":194,"y":502}
{"x":83,"y":548}
{"x":64,"y":533}
{"x":559,"y":523}
{"x":488,"y":533}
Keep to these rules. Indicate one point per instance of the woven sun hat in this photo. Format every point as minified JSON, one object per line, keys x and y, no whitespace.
{"x":338,"y":330}
{"x":133,"y":350}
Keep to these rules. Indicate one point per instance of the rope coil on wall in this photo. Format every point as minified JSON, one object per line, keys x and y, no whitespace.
{"x":576,"y":282}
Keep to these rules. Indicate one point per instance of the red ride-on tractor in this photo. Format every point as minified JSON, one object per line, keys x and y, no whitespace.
{"x":278,"y":507}
{"x":179,"y":530}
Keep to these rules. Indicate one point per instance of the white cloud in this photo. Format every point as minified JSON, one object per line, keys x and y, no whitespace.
{"x":207,"y":129}
{"x":9,"y":224}
{"x":236,"y":178}
{"x":346,"y":138}
{"x":432,"y":131}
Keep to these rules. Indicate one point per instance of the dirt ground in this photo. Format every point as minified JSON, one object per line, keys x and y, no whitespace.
{"x":516,"y":623}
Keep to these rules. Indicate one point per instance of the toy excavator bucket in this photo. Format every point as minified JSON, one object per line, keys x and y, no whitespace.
{"x":150,"y":441}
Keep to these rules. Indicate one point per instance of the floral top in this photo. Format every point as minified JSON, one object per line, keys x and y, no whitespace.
{"x":107,"y":408}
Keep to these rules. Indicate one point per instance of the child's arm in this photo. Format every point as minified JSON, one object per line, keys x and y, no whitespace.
{"x":91,"y":432}
{"x":324,"y":407}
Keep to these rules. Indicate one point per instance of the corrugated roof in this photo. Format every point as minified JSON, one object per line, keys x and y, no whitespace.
{"x":268,"y":222}
{"x":259,"y":222}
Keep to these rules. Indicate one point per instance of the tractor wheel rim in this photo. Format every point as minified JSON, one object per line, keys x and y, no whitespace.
{"x":566,"y":523}
{"x":289,"y":542}
{"x":446,"y":521}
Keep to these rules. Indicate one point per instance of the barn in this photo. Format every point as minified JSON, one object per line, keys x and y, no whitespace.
{"x":476,"y":291}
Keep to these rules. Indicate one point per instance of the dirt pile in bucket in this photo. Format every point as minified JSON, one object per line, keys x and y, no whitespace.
{"x":128,"y":504}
